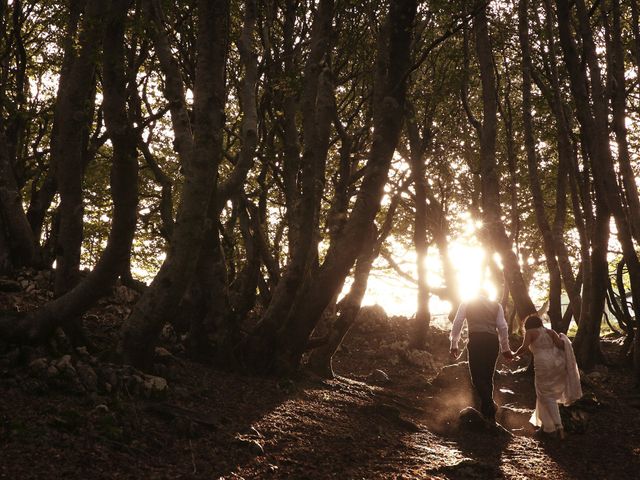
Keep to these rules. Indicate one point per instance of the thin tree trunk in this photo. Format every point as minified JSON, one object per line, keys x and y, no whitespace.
{"x":320,"y":359}
{"x":596,"y":134}
{"x":618,"y":103}
{"x":23,"y":247}
{"x":418,"y":173}
{"x":555,"y":312}
{"x":567,"y":172}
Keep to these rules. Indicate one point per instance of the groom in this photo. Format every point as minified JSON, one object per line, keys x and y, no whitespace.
{"x":488,"y":335}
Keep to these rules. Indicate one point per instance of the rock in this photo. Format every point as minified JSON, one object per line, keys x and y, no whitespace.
{"x":378,"y":376}
{"x":155,"y":386}
{"x":372,"y":316}
{"x":112,"y":377}
{"x":469,"y":468}
{"x":456,"y":374}
{"x":88,"y":376}
{"x":101,"y":409}
{"x":514,"y":418}
{"x":597,"y":376}
{"x":418,"y":358}
{"x":52,"y":371}
{"x":163,"y":355}
{"x":168,"y":334}
{"x":39,"y":365}
{"x":82,"y":352}
{"x":64,"y":363}
{"x":254,"y":446}
{"x":43,"y":280}
{"x":473,"y":421}
{"x":574,"y":419}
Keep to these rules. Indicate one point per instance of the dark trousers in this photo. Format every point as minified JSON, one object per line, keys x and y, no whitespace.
{"x":483,"y":351}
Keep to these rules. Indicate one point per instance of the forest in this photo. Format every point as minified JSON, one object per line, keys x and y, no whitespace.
{"x":196,"y":196}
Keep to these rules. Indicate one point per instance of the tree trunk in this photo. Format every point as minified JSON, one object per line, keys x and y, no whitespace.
{"x":488,"y":172}
{"x":41,"y":198}
{"x":320,"y":359}
{"x":73,"y":118}
{"x":555,"y":312}
{"x":40,"y":325}
{"x":317,"y":108}
{"x":596,"y":134}
{"x":587,"y":340}
{"x":292,"y":338}
{"x":23,"y":247}
{"x":349,"y":307}
{"x":618,"y":103}
{"x":217,"y":331}
{"x":200,"y":161}
{"x":420,"y":330}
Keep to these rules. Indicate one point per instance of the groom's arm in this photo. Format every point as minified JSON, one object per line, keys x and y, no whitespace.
{"x":456,"y":328}
{"x":503,"y":331}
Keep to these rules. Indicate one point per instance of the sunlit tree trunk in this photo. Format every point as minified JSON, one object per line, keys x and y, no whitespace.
{"x":608,"y":201}
{"x":555,"y":313}
{"x":420,"y":224}
{"x":618,"y":103}
{"x":491,"y":209}
{"x":320,"y":359}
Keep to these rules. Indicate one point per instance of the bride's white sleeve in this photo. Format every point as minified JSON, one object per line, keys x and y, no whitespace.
{"x":573,"y":389}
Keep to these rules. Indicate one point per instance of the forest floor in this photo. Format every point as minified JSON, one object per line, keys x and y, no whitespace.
{"x":389,"y":413}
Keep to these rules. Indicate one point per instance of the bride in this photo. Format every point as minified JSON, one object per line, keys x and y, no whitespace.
{"x":556,"y":374}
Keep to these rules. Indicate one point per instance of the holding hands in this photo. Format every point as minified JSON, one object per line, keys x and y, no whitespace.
{"x":454,"y":353}
{"x":508,"y":355}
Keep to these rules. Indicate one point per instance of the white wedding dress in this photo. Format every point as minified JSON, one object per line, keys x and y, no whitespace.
{"x":556,"y":378}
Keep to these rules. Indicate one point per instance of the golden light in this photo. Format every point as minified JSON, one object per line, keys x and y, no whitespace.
{"x":397,"y":295}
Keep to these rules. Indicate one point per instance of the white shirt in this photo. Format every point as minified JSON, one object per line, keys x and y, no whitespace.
{"x":501,"y":327}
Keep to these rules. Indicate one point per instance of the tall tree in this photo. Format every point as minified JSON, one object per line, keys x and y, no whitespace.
{"x":490,"y":187}
{"x":199,"y":157}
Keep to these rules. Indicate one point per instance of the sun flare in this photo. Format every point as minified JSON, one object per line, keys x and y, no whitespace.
{"x":397,"y":295}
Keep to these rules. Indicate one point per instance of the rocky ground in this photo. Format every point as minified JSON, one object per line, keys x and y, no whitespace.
{"x":390,"y":413}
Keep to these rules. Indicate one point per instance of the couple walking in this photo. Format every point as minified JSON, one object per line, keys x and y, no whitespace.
{"x":556,"y":373}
